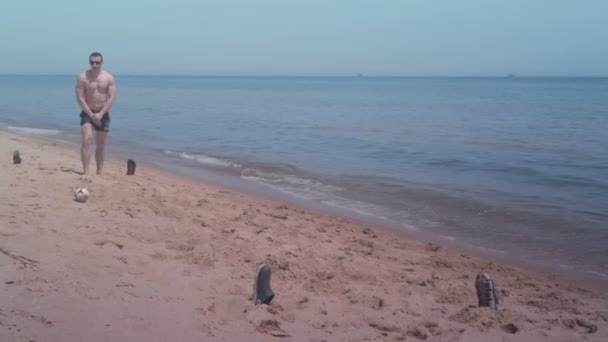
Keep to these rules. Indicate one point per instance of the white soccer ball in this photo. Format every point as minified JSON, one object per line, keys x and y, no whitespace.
{"x":81,"y":194}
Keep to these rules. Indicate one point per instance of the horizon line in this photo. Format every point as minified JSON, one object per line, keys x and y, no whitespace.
{"x":508,"y":76}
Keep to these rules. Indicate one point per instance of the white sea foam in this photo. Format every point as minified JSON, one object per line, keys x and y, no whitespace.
{"x":204,"y":159}
{"x":599,"y":274}
{"x":312,"y":190}
{"x":293,"y":185}
{"x":486,"y":249}
{"x":286,"y":181}
{"x":33,"y":130}
{"x":409,"y":226}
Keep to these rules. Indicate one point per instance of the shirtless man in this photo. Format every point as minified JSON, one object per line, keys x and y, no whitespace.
{"x":95,"y":93}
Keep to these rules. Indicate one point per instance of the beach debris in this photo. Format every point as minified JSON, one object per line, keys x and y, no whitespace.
{"x":23,"y":260}
{"x":486,"y":292}
{"x":262,"y":293}
{"x":81,"y":195}
{"x":16,"y":157}
{"x":131,"y":167}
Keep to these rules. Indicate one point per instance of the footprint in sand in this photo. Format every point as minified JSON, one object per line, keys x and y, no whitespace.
{"x":580,"y":325}
{"x":104,"y":242}
{"x":71,"y":170}
{"x":384,"y":327}
{"x":271,"y":327}
{"x":85,"y":180}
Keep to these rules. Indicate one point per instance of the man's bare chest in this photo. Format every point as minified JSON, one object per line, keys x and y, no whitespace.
{"x":97,"y":86}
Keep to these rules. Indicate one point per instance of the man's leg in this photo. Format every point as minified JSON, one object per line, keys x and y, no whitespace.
{"x":85,"y":152}
{"x":100,"y":144}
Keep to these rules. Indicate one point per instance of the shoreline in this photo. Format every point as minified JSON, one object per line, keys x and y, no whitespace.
{"x":485,"y":225}
{"x":189,"y":249}
{"x":582,"y":276}
{"x":186,"y":171}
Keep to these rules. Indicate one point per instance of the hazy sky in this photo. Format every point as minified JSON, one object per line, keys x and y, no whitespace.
{"x":307,"y":37}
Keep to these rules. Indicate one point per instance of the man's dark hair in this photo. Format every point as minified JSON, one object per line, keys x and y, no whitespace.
{"x":96,"y":54}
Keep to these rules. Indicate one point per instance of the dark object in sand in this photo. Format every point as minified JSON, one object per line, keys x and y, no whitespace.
{"x":16,"y":157}
{"x":262,"y":293}
{"x":130,"y":167}
{"x":486,"y":292}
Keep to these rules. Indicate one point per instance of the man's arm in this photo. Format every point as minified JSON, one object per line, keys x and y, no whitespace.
{"x":80,"y":84}
{"x":111,"y":97}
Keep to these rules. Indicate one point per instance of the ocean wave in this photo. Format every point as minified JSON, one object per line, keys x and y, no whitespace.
{"x":287,"y":179}
{"x":598,"y":274}
{"x":33,"y":130}
{"x":319,"y":192}
{"x":296,"y":187}
{"x":204,"y":159}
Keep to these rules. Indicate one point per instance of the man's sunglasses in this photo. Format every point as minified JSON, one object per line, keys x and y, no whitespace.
{"x":94,"y":62}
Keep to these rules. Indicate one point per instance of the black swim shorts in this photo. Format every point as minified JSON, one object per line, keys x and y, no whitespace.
{"x":105,"y":121}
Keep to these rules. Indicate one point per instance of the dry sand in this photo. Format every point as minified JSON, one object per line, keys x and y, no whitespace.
{"x":160,"y":257}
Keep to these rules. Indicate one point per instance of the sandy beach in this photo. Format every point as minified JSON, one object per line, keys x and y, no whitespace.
{"x":162,"y":257}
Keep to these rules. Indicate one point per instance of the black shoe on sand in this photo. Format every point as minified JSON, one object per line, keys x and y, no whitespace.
{"x":130,"y":167}
{"x":262,"y":293}
{"x":486,"y":292}
{"x":16,"y":158}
